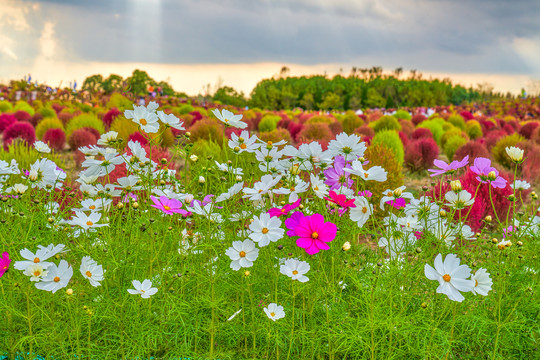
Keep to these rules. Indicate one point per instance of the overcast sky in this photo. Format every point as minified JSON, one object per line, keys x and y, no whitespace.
{"x":196,"y":42}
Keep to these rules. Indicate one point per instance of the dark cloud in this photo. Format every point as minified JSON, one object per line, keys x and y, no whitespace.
{"x":435,"y":35}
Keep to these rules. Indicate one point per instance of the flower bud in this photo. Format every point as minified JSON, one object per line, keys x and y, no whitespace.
{"x":442,"y":213}
{"x":69,"y":291}
{"x":238,"y":178}
{"x":456,"y":186}
{"x":120,"y":205}
{"x":488,"y":219}
{"x":520,"y":243}
{"x":135,"y":205}
{"x":294,"y":170}
{"x":193,"y":158}
{"x":512,"y":198}
{"x":494,"y":240}
{"x":425,"y":188}
{"x":492,"y":176}
{"x":346,"y":246}
{"x":246,"y":273}
{"x":236,"y":149}
{"x":188,"y":134}
{"x":202,"y":180}
{"x":188,"y":198}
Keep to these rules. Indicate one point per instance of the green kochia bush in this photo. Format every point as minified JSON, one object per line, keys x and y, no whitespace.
{"x":82,"y":121}
{"x":5,"y":106}
{"x":390,"y":139}
{"x":457,"y":121}
{"x":269,"y":123}
{"x":474,"y":129}
{"x":452,"y":144}
{"x":386,"y":122}
{"x":350,"y":122}
{"x":402,"y":115}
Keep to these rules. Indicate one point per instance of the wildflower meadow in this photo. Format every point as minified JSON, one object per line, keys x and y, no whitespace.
{"x":159,"y":230}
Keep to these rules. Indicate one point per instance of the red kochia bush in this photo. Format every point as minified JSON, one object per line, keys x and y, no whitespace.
{"x":6,"y":120}
{"x":474,"y":149}
{"x":23,"y":116}
{"x":55,"y":138}
{"x":364,"y":130}
{"x":82,"y":137}
{"x":493,"y":136}
{"x":110,"y":116}
{"x":421,"y":133}
{"x":22,"y":130}
{"x":466,"y":115}
{"x":294,"y":129}
{"x":527,"y":130}
{"x":420,"y":154}
{"x":137,"y":136}
{"x":531,"y":165}
{"x":418,"y":118}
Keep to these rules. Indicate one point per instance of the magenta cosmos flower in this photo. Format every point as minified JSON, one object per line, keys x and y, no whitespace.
{"x":285,"y":209}
{"x":314,"y":233}
{"x":4,"y":263}
{"x":168,"y":206}
{"x":448,"y":168}
{"x":487,"y":173}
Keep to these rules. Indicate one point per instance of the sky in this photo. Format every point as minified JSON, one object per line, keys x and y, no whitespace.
{"x":201,"y":44}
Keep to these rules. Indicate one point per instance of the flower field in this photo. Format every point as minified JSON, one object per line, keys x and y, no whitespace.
{"x":175,"y":229}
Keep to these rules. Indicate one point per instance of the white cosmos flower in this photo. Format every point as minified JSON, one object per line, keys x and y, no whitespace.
{"x":233,"y":190}
{"x":18,"y":189}
{"x":41,"y":147}
{"x":299,"y":186}
{"x":318,"y":186}
{"x":409,"y":223}
{"x":452,"y":277}
{"x":35,"y":271}
{"x":361,"y":212}
{"x":145,"y":118}
{"x":230,"y":169}
{"x":144,"y":289}
{"x":242,"y":254}
{"x":57,"y":277}
{"x":459,"y":200}
{"x":266,"y":229}
{"x":261,"y":187}
{"x":295,"y":269}
{"x":170,"y":120}
{"x":42,"y":254}
{"x":390,"y":195}
{"x":230,"y":119}
{"x":482,"y":282}
{"x":107,"y":139}
{"x":515,"y":153}
{"x":274,"y":311}
{"x":520,"y":185}
{"x":95,"y":205}
{"x":244,"y":142}
{"x":92,"y":271}
{"x":348,"y":146}
{"x":86,"y":221}
{"x":9,"y":168}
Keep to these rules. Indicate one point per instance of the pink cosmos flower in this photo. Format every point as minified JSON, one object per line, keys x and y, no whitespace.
{"x":4,"y":263}
{"x":365,"y":193}
{"x":285,"y":209}
{"x":292,"y":222}
{"x":335,"y":177}
{"x":314,"y":233}
{"x":448,"y":168}
{"x":482,"y":167}
{"x":509,"y":231}
{"x":341,"y":200}
{"x":168,"y":206}
{"x":398,"y":203}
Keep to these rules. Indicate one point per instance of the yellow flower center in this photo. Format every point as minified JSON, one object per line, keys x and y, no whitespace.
{"x":167,"y":207}
{"x":89,"y":223}
{"x":37,"y":273}
{"x":89,"y":274}
{"x":446,"y":277}
{"x":243,"y":146}
{"x":316,"y":188}
{"x":242,"y":254}
{"x":265,"y":230}
{"x":56,"y":279}
{"x":272,"y":314}
{"x":475,"y":283}
{"x":92,"y":207}
{"x":295,"y":272}
{"x":143,"y":122}
{"x":314,"y":235}
{"x":364,"y":209}
{"x":36,"y":260}
{"x":366,"y":174}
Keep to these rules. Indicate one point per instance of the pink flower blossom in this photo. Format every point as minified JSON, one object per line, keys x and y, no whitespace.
{"x":482,"y":167}
{"x":314,"y":233}
{"x":4,"y":263}
{"x":365,"y":193}
{"x":398,"y":203}
{"x":168,"y":206}
{"x":448,"y":168}
{"x":285,"y":209}
{"x":335,"y":177}
{"x":292,"y":222}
